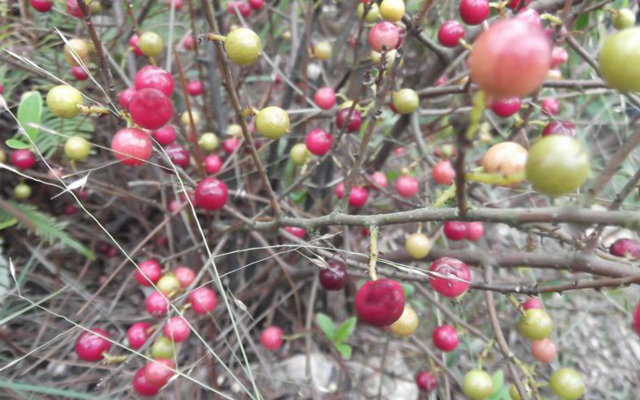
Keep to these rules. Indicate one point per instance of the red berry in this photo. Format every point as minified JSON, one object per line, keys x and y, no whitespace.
{"x":532,"y":303}
{"x":450,"y":33}
{"x":506,"y":107}
{"x":358,"y":197}
{"x":441,"y":81}
{"x":627,"y":248}
{"x":318,"y":142}
{"x":70,"y":209}
{"x":407,"y":186}
{"x":79,"y":73}
{"x":426,"y":381}
{"x":177,"y":329}
{"x":177,"y":4}
{"x":134,"y":43}
{"x":255,"y":4}
{"x":211,"y":194}
{"x":189,"y":42}
{"x":558,"y":56}
{"x":445,"y":338}
{"x":41,"y":5}
{"x":325,"y":98}
{"x":131,"y":146}
{"x":513,"y":4}
{"x":475,"y":230}
{"x":158,"y":372}
{"x":559,"y":128}
{"x":230,"y":145}
{"x":383,"y":34}
{"x":380,"y":302}
{"x":334,"y":277}
{"x":474,"y":12}
{"x":443,"y":173}
{"x":212,"y":164}
{"x":550,"y":106}
{"x":185,"y":276}
{"x":379,"y":179}
{"x":453,"y":277}
{"x":636,"y":318}
{"x":271,"y":338}
{"x":296,"y":231}
{"x":157,"y":305}
{"x":23,"y":159}
{"x":150,"y":108}
{"x":339,"y":190}
{"x":455,"y":230}
{"x":125,"y":97}
{"x":195,"y":88}
{"x":530,"y":15}
{"x":178,"y":155}
{"x":150,"y":269}
{"x":90,"y":347}
{"x":203,"y":300}
{"x":165,"y":135}
{"x":138,"y":334}
{"x":353,"y":124}
{"x":544,"y":350}
{"x":243,"y":8}
{"x":73,"y":8}
{"x":150,"y":77}
{"x":142,"y":386}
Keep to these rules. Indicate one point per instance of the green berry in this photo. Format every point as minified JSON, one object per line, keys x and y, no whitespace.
{"x":162,"y":348}
{"x":406,"y":101}
{"x":63,"y":101}
{"x":477,"y":385}
{"x":77,"y":148}
{"x":22,"y":191}
{"x":567,"y":384}
{"x":535,"y":324}
{"x":624,"y":19}
{"x":323,"y":50}
{"x":373,"y":15}
{"x":186,"y":121}
{"x":243,"y":46}
{"x":168,"y":284}
{"x":300,"y":154}
{"x":209,"y":141}
{"x":151,"y":44}
{"x":272,"y":122}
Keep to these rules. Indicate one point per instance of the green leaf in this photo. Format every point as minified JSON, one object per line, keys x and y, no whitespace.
{"x":298,"y":197}
{"x":17,"y":144}
{"x":8,"y":223}
{"x":581,"y":22}
{"x":30,"y":112}
{"x":326,"y":324}
{"x":345,"y":330}
{"x":345,"y":350}
{"x":408,"y":289}
{"x":502,"y":394}
{"x":498,"y":382}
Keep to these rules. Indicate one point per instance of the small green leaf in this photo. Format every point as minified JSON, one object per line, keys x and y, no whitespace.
{"x":345,"y":350}
{"x":326,"y":324}
{"x":30,"y":112}
{"x":502,"y":394}
{"x":17,"y":144}
{"x":582,"y":21}
{"x":498,"y":382}
{"x":8,"y":223}
{"x":345,"y":330}
{"x":298,"y":197}
{"x":408,"y":289}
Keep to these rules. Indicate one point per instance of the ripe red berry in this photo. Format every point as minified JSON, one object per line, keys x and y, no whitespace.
{"x":177,"y":329}
{"x":296,"y":231}
{"x":455,"y":230}
{"x":379,"y":178}
{"x":318,"y":142}
{"x":138,"y":334}
{"x":188,"y":42}
{"x":73,"y":8}
{"x":339,"y":190}
{"x":325,"y":98}
{"x":134,"y":43}
{"x":243,"y":8}
{"x":636,"y":318}
{"x":177,"y":4}
{"x":443,"y":173}
{"x":41,"y":5}
{"x":475,"y":230}
{"x":150,"y":269}
{"x":627,"y":248}
{"x":334,"y":277}
{"x":450,"y":33}
{"x":195,"y":88}
{"x":212,"y":164}
{"x":91,"y":347}
{"x":383,"y":34}
{"x":559,"y":128}
{"x":530,"y":15}
{"x":230,"y":145}
{"x":407,"y":186}
{"x":271,"y":338}
{"x":185,"y":276}
{"x":358,"y":197}
{"x":131,"y":146}
{"x":211,"y":194}
{"x":79,"y":73}
{"x":165,"y":135}
{"x":150,"y":108}
{"x":550,"y":106}
{"x":142,"y":386}
{"x":158,"y":372}
{"x":23,"y":159}
{"x":453,"y":277}
{"x":445,"y":338}
{"x":125,"y":97}
{"x":426,"y":381}
{"x":178,"y":155}
{"x":544,"y":350}
{"x":474,"y":12}
{"x":151,"y":77}
{"x":203,"y":300}
{"x":506,"y":107}
{"x":559,"y":56}
{"x":532,"y":302}
{"x":380,"y":302}
{"x":353,"y":124}
{"x":157,"y":305}
{"x":255,"y":4}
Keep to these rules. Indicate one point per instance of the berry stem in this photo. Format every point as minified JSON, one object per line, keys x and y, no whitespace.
{"x":373,"y":249}
{"x":213,"y":36}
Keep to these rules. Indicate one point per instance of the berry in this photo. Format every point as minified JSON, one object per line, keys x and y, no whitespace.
{"x":383,"y":34}
{"x":138,"y":334}
{"x":535,"y":324}
{"x":211,"y":194}
{"x":271,"y":338}
{"x":178,"y":155}
{"x":406,"y":101}
{"x":445,"y":338}
{"x":125,"y":97}
{"x":627,"y":248}
{"x":443,"y":173}
{"x":168,"y":284}
{"x":550,"y":106}
{"x":530,"y":15}
{"x":455,"y":230}
{"x":151,"y":44}
{"x":91,"y":347}
{"x":318,"y":142}
{"x":296,"y":231}
{"x":23,"y":159}
{"x":510,"y":59}
{"x":134,"y":43}
{"x":559,"y":128}
{"x":372,"y":16}
{"x":358,"y":197}
{"x":325,"y":98}
{"x":418,"y":245}
{"x":255,"y":4}
{"x":544,"y":350}
{"x":142,"y":386}
{"x":557,"y":165}
{"x":163,"y":347}
{"x":41,"y":5}
{"x":477,"y":384}
{"x":186,"y":121}
{"x":243,"y":8}
{"x":380,"y":302}
{"x":73,"y":8}
{"x":624,"y":18}
{"x":426,"y":381}
{"x":322,"y":50}
{"x":407,"y":186}
{"x":157,"y":305}
{"x":212,"y":164}
{"x":379,"y":179}
{"x":450,"y":33}
{"x":22,"y":191}
{"x":558,"y":56}
{"x":334,"y":277}
{"x":339,"y":190}
{"x":353,"y":124}
{"x":243,"y":46}
{"x":452,"y":277}
{"x":150,"y":108}
{"x":131,"y":146}
{"x":149,"y":270}
{"x":165,"y":135}
{"x":636,"y":318}
{"x":230,"y":145}
{"x":567,"y":384}
{"x":63,"y":101}
{"x":209,"y":141}
{"x":189,"y":43}
{"x":79,"y":73}
{"x":619,"y":58}
{"x":474,"y":12}
{"x":475,"y":230}
{"x":185,"y":276}
{"x":506,"y":158}
{"x":299,"y":154}
{"x":392,"y":10}
{"x":506,"y":107}
{"x":407,"y":324}
{"x":150,"y":77}
{"x":177,"y":4}
{"x":195,"y":88}
{"x":272,"y":122}
{"x":532,"y":303}
{"x":158,"y":372}
{"x":177,"y":329}
{"x":77,"y":148}
{"x":203,"y":300}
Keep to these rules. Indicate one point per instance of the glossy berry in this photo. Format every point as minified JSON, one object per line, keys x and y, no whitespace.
{"x":177,"y":4}
{"x":475,"y":230}
{"x":23,"y":159}
{"x":151,"y":44}
{"x":626,"y":248}
{"x":339,"y":189}
{"x":168,"y":284}
{"x":530,"y":15}
{"x":271,"y":338}
{"x":443,"y":173}
{"x":195,"y":88}
{"x":163,"y":347}
{"x":142,"y":386}
{"x":165,"y":135}
{"x":151,"y":77}
{"x":374,"y":12}
{"x":407,"y":324}
{"x":559,"y":56}
{"x":450,"y":33}
{"x":445,"y":338}
{"x":230,"y":145}
{"x":474,"y":12}
{"x":559,"y":128}
{"x":550,"y":106}
{"x":79,"y":73}
{"x":510,"y":59}
{"x":383,"y":34}
{"x":77,"y":148}
{"x":380,"y":302}
{"x":379,"y":178}
{"x":334,"y":277}
{"x":418,"y":245}
{"x":407,"y":186}
{"x":22,"y":191}
{"x":76,"y":49}
{"x":125,"y":97}
{"x":405,"y":101}
{"x":150,"y":108}
{"x":299,"y":154}
{"x":506,"y":158}
{"x":255,"y":4}
{"x":243,"y":46}
{"x":296,"y":231}
{"x":134,"y":44}
{"x":532,"y":302}
{"x":623,"y":18}
{"x":272,"y":122}
{"x":177,"y":329}
{"x":392,"y":10}
{"x":91,"y":347}
{"x":63,"y":101}
{"x":325,"y":98}
{"x":452,"y":279}
{"x":636,"y":318}
{"x":477,"y":385}
{"x":211,"y":194}
{"x":203,"y":300}
{"x":209,"y":141}
{"x":158,"y":372}
{"x":544,"y":350}
{"x":535,"y":324}
{"x":323,"y":50}
{"x":137,"y":334}
{"x":426,"y":381}
{"x":455,"y":230}
{"x":131,"y":146}
{"x":567,"y":384}
{"x":318,"y":142}
{"x":41,"y":5}
{"x":73,"y":8}
{"x":212,"y":164}
{"x":243,"y":8}
{"x":358,"y":196}
{"x":354,"y":122}
{"x":506,"y":107}
{"x":157,"y":305}
{"x":178,"y":155}
{"x":185,"y":276}
{"x":149,"y":270}
{"x":189,"y":43}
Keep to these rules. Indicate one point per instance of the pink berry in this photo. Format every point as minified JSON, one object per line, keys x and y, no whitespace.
{"x":450,"y":33}
{"x":318,"y":142}
{"x":150,"y":269}
{"x":532,"y":303}
{"x":189,"y":43}
{"x":90,"y":347}
{"x":23,"y":159}
{"x":455,"y":230}
{"x":177,"y":329}
{"x":358,"y":197}
{"x":407,"y":186}
{"x":530,"y":15}
{"x":70,"y":209}
{"x":150,"y":108}
{"x":230,"y":145}
{"x":165,"y":135}
{"x":159,"y":371}
{"x":178,"y":155}
{"x":125,"y":97}
{"x":475,"y":230}
{"x":627,"y":248}
{"x":559,"y":128}
{"x":544,"y":350}
{"x":211,"y":194}
{"x":212,"y":164}
{"x":296,"y":231}
{"x":443,"y":173}
{"x":243,"y":8}
{"x":177,"y":4}
{"x":559,"y":56}
{"x":550,"y":106}
{"x":134,"y":43}
{"x":636,"y":318}
{"x":453,"y":277}
{"x":271,"y":338}
{"x":380,"y":302}
{"x":41,"y":5}
{"x":426,"y":381}
{"x":157,"y":305}
{"x":255,"y":4}
{"x":325,"y":98}
{"x":513,"y":4}
{"x":203,"y":300}
{"x":185,"y":276}
{"x":354,"y":123}
{"x":474,"y":12}
{"x":383,"y":34}
{"x":79,"y":73}
{"x":506,"y":107}
{"x":195,"y":88}
{"x":334,"y":277}
{"x":339,"y":190}
{"x":445,"y":338}
{"x":142,"y":386}
{"x":150,"y":77}
{"x":131,"y":146}
{"x":73,"y":8}
{"x":138,"y":334}
{"x":441,"y":81}
{"x":380,"y":179}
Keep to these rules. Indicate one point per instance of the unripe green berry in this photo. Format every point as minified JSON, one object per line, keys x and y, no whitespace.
{"x":323,"y":50}
{"x":406,"y":101}
{"x":535,"y":324}
{"x":22,"y":191}
{"x":77,"y":148}
{"x":300,"y":154}
{"x":162,"y":348}
{"x":624,"y":19}
{"x":63,"y":101}
{"x":373,"y":15}
{"x":209,"y":141}
{"x":272,"y":122}
{"x":243,"y":46}
{"x":168,"y":284}
{"x":151,"y":44}
{"x":234,"y":130}
{"x":392,"y":10}
{"x":78,"y":46}
{"x":186,"y":121}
